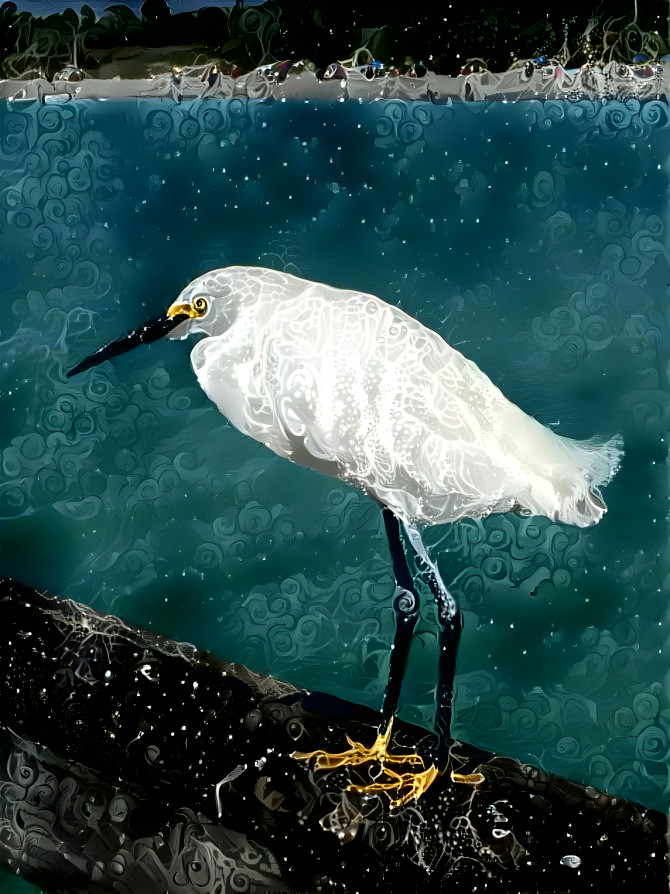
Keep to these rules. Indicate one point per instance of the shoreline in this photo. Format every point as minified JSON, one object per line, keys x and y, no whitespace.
{"x":615,"y":81}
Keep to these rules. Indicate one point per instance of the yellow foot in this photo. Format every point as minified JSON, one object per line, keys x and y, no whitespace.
{"x":468,"y":778}
{"x":413,"y":784}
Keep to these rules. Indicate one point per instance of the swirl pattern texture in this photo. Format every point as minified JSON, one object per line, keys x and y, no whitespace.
{"x":531,"y":236}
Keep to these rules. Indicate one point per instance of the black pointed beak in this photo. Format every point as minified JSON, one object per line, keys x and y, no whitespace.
{"x":151,"y":331}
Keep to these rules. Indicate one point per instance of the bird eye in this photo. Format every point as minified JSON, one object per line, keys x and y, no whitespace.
{"x":200,"y":306}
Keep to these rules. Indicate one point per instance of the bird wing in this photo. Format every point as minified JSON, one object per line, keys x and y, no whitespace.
{"x":346,"y":384}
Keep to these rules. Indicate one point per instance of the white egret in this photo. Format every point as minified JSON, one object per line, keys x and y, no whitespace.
{"x":344,"y":383}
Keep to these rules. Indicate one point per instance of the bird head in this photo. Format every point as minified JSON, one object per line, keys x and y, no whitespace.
{"x":207,"y":305}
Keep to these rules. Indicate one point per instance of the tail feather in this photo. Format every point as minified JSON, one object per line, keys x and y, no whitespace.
{"x":567,"y":488}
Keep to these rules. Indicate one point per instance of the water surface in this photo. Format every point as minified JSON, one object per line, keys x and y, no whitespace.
{"x":532,"y":236}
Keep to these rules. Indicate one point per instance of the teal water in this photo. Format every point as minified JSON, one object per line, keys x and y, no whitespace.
{"x":532,"y":236}
{"x":12,"y":884}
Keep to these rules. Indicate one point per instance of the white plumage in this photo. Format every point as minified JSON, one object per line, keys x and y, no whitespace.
{"x":344,"y":383}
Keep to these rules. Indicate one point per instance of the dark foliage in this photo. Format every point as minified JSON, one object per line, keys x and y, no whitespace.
{"x":443,"y":36}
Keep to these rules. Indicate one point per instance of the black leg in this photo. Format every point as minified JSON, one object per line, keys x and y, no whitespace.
{"x":449,"y":616}
{"x":418,"y":773}
{"x":406,"y":606}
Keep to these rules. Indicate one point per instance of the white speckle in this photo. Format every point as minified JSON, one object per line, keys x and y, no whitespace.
{"x":572,"y":861}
